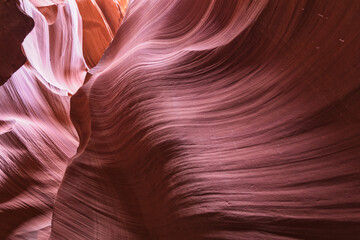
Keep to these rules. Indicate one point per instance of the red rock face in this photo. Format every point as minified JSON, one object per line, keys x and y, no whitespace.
{"x":101,"y":20}
{"x":15,"y":25}
{"x":184,"y":120}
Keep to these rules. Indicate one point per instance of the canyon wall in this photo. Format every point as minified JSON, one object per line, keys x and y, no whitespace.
{"x":183,"y":119}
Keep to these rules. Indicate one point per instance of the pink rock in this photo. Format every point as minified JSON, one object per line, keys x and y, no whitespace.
{"x":183,"y":120}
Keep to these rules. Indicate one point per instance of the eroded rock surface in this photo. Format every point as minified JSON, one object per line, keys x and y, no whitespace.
{"x":218,"y":119}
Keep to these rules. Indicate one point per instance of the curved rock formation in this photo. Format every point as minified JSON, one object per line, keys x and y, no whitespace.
{"x":37,"y":138}
{"x":219,"y":119}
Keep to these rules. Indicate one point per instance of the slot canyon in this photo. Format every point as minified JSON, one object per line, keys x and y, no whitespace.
{"x":180,"y":119}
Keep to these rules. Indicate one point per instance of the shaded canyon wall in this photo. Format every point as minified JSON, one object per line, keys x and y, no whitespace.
{"x":183,"y":120}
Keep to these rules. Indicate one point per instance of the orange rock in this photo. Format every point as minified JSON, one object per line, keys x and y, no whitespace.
{"x":101,"y":20}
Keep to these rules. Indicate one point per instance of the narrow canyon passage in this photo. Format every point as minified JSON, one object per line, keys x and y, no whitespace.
{"x":182,"y":119}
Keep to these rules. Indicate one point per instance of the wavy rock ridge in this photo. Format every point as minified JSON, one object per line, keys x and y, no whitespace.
{"x":201,"y":120}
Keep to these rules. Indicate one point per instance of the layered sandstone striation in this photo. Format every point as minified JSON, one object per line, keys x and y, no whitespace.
{"x":183,"y":119}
